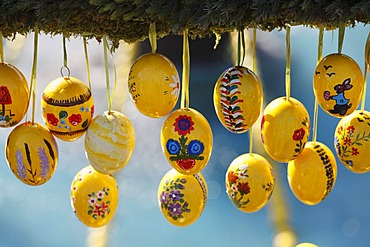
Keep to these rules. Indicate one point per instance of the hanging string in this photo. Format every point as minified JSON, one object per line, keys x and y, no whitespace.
{"x":287,"y":67}
{"x":185,"y":72}
{"x":33,"y":73}
{"x":316,"y":106}
{"x":105,"y":44}
{"x":241,"y":48}
{"x":87,"y":62}
{"x":153,"y":37}
{"x":1,"y":48}
{"x":341,"y":31}
{"x":253,"y":69}
{"x":367,"y":56}
{"x":65,"y":66}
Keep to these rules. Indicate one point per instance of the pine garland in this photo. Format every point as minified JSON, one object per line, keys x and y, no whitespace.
{"x":129,"y":20}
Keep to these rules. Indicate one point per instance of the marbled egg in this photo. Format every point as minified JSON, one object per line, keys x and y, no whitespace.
{"x":182,"y":198}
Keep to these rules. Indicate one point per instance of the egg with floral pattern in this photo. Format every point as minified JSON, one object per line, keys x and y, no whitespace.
{"x":32,"y":153}
{"x":94,"y":197}
{"x":237,"y":98}
{"x":312,"y":175}
{"x":249,"y":182}
{"x":352,"y":141}
{"x":67,"y":108}
{"x":182,"y":198}
{"x":14,"y":95}
{"x":186,"y":140}
{"x":338,"y":84}
{"x":109,"y":142}
{"x":154,"y":85}
{"x":285,"y":127}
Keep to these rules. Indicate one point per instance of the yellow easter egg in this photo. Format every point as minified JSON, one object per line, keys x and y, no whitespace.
{"x":14,"y":95}
{"x":186,"y":140}
{"x":306,"y":245}
{"x":352,"y":141}
{"x":67,"y":108}
{"x":154,"y":85}
{"x":312,"y":175}
{"x":94,"y":197}
{"x":32,"y":153}
{"x":338,"y":84}
{"x":249,"y":182}
{"x":237,"y":98}
{"x":285,"y":127}
{"x":109,"y":142}
{"x":182,"y":198}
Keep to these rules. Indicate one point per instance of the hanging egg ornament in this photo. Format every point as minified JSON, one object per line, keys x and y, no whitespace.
{"x":182,"y":198}
{"x":67,"y":108}
{"x":285,"y":128}
{"x":237,"y":98}
{"x":249,"y":182}
{"x":186,"y":140}
{"x":352,"y":141}
{"x":109,"y":142}
{"x":154,"y":85}
{"x":338,"y":84}
{"x":32,"y":153}
{"x":94,"y":197}
{"x":312,"y":175}
{"x":14,"y":95}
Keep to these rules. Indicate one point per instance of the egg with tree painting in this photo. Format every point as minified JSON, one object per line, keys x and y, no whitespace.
{"x":32,"y":153}
{"x":154,"y":85}
{"x":67,"y":108}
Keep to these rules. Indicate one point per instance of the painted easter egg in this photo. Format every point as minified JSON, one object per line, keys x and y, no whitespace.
{"x":249,"y":182}
{"x":186,"y":140}
{"x":352,"y":141}
{"x":94,"y":197}
{"x":338,"y":84}
{"x":182,"y":198}
{"x":32,"y":153}
{"x":312,"y":175}
{"x":14,"y":95}
{"x":237,"y":98}
{"x":306,"y":245}
{"x":285,"y":128}
{"x":154,"y":85}
{"x":109,"y":142}
{"x":67,"y":108}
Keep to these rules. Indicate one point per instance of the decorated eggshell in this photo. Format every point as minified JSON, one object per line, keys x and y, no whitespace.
{"x":182,"y":198}
{"x":312,"y":175}
{"x":67,"y":108}
{"x":186,"y":140}
{"x":32,"y":153}
{"x":94,"y":197}
{"x":237,"y":98}
{"x":109,"y":142}
{"x":352,"y":141}
{"x":285,"y":128}
{"x":249,"y":182}
{"x":338,"y":84}
{"x":14,"y":95}
{"x":154,"y":85}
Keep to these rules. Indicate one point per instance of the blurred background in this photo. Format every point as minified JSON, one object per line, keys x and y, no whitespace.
{"x":42,"y":216}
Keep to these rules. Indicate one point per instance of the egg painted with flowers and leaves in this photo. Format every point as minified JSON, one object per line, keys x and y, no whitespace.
{"x":94,"y":197}
{"x":32,"y":153}
{"x":186,"y":140}
{"x":285,"y":128}
{"x":249,"y":182}
{"x":312,"y":175}
{"x":67,"y":108}
{"x":14,"y":95}
{"x":237,"y":98}
{"x":338,"y":84}
{"x":154,"y":85}
{"x":182,"y":198}
{"x":352,"y":141}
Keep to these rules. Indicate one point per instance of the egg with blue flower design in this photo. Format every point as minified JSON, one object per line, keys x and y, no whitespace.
{"x":186,"y":140}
